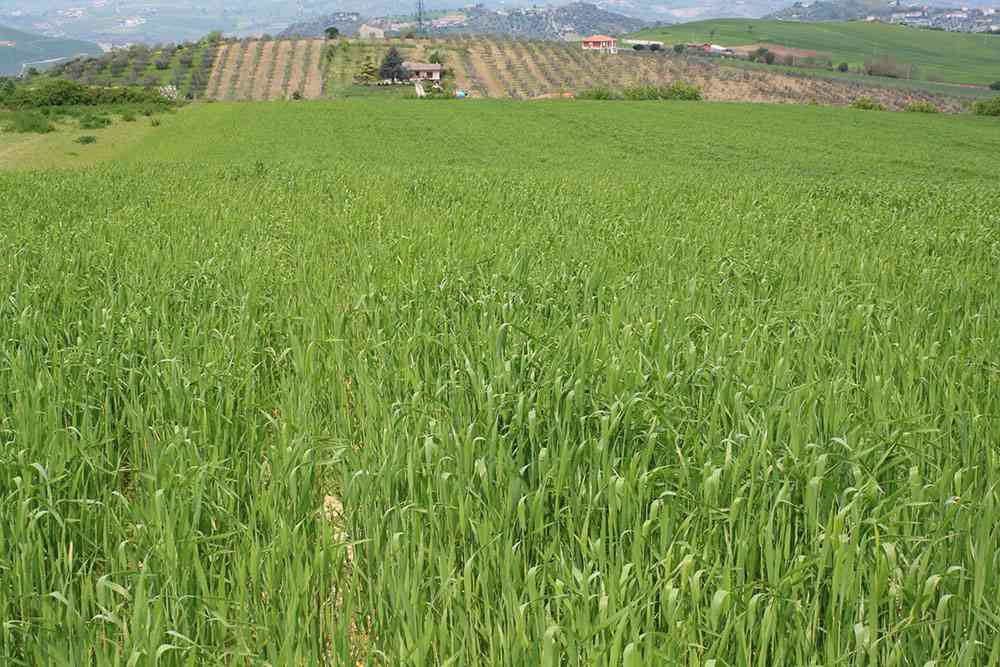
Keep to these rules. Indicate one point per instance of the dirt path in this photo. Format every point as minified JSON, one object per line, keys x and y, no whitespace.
{"x":314,"y":75}
{"x":298,"y":77}
{"x":483,"y":74}
{"x":215,"y":78}
{"x":277,"y":89}
{"x":228,"y":71}
{"x":264,"y":69}
{"x":458,"y":69}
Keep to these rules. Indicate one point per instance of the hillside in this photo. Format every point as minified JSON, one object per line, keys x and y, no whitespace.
{"x":939,"y":56}
{"x":18,"y":49}
{"x":187,"y":67}
{"x":518,"y":69}
{"x":561,"y":22}
{"x":406,"y":383}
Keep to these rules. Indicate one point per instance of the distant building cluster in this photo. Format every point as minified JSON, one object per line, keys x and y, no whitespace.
{"x":964,"y":19}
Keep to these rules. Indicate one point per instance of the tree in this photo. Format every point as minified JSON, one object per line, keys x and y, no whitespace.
{"x":436,"y":58}
{"x":6,"y":88}
{"x":214,"y":37}
{"x":678,"y":49}
{"x":392,"y":67}
{"x":332,"y":32}
{"x":639,"y":47}
{"x":654,"y":47}
{"x":368,"y":73}
{"x":995,"y":85}
{"x":843,"y":67}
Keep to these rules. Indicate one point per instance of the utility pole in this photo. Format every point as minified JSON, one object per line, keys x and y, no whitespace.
{"x":420,"y":16}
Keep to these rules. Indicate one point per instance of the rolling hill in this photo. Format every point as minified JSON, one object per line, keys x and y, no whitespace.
{"x":516,"y":69}
{"x":19,"y":48}
{"x":939,"y":56}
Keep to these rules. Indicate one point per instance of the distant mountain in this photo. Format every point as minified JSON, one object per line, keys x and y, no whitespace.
{"x":19,"y":49}
{"x":578,"y":18}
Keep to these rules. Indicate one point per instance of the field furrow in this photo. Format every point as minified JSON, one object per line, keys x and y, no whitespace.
{"x":265,"y":67}
{"x":313,"y":87}
{"x":248,"y":71}
{"x":299,"y":63}
{"x":230,"y":71}
{"x":280,"y":78}
{"x":215,"y":80}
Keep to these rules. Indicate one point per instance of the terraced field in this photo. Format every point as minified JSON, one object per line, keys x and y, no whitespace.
{"x":269,"y":70}
{"x":527,"y":69}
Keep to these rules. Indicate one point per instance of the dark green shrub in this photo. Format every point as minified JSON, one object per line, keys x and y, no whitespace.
{"x":29,"y":121}
{"x":987,"y":107}
{"x":679,"y":90}
{"x":128,"y":116}
{"x":86,"y":139}
{"x":866,"y":103}
{"x":597,"y":93}
{"x":843,"y":67}
{"x":640,"y":92}
{"x":922,"y":107}
{"x":94,"y":122}
{"x":638,"y":47}
{"x":679,"y":48}
{"x":995,"y":85}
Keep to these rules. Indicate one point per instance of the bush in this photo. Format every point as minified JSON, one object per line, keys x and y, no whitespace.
{"x":679,"y":48}
{"x":639,"y":92}
{"x":128,"y":116}
{"x":655,"y":47}
{"x":987,"y":107}
{"x":995,"y":85}
{"x":679,"y":90}
{"x":29,"y":121}
{"x":94,"y":122}
{"x":866,"y":103}
{"x":597,"y":93}
{"x":843,"y":67}
{"x":639,"y":47}
{"x":86,"y":139}
{"x":62,"y":93}
{"x":922,"y":107}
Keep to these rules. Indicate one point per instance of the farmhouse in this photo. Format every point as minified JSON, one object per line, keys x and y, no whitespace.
{"x":600,"y":43}
{"x":424,"y":71}
{"x":370,"y":32}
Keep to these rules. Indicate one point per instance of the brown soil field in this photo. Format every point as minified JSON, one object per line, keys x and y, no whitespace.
{"x":229,"y":73}
{"x":313,"y":89}
{"x":263,"y":73}
{"x":298,"y":75}
{"x":780,"y":51}
{"x":278,"y":81}
{"x":215,"y":78}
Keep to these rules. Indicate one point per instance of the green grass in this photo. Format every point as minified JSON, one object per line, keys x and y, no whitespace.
{"x":939,"y":56}
{"x":733,"y":401}
{"x":33,"y":48}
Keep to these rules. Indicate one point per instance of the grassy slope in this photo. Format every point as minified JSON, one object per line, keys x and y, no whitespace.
{"x":30,"y":48}
{"x":726,"y":393}
{"x":943,"y":56}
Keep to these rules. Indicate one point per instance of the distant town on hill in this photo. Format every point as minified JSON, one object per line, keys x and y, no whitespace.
{"x":565,"y":22}
{"x":939,"y":15}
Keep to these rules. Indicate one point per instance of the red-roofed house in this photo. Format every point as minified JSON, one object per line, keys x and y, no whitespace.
{"x":600,"y":43}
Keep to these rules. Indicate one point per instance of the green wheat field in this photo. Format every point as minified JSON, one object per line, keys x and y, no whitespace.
{"x":568,"y":383}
